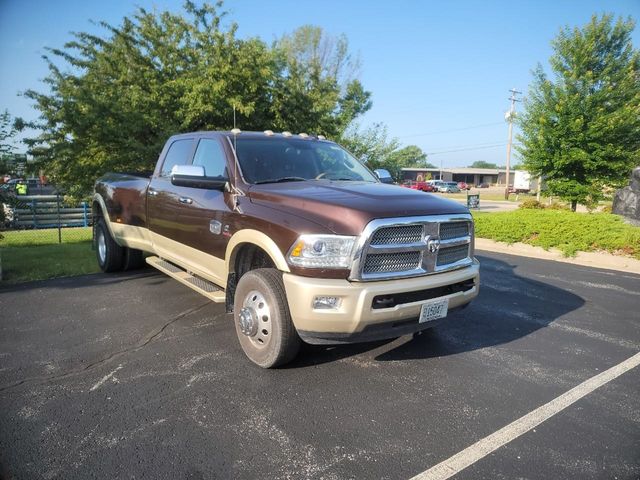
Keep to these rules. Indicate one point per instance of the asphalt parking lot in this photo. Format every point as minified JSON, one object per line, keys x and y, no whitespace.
{"x":136,"y":376}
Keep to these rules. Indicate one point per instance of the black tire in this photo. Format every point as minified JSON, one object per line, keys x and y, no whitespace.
{"x":110,"y":255}
{"x":260,"y":308}
{"x":133,"y":259}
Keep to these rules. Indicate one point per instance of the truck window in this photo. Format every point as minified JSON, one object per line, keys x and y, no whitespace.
{"x":264,"y":160}
{"x":211,"y":156}
{"x":178,"y":154}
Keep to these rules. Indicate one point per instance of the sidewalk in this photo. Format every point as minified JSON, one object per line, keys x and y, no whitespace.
{"x":491,"y":205}
{"x":587,"y":259}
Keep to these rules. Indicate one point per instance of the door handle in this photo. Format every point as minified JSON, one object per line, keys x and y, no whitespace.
{"x":186,"y":200}
{"x":152,"y":192}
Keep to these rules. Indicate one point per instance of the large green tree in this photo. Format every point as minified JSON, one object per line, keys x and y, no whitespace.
{"x":581,"y":128}
{"x":319,"y":87}
{"x":114,"y":99}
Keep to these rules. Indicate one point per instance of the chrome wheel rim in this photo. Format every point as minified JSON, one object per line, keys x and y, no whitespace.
{"x":102,"y":246}
{"x":254,"y":319}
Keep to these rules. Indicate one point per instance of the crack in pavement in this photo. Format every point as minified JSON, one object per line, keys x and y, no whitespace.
{"x":141,"y":344}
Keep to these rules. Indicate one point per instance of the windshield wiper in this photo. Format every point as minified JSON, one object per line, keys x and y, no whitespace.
{"x":281,"y":180}
{"x":343,"y":179}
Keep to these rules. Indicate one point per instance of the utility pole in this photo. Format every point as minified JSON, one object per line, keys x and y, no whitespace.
{"x":510,"y":117}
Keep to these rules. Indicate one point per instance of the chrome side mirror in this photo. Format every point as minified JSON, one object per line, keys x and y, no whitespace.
{"x":193,"y":176}
{"x":383,"y":175}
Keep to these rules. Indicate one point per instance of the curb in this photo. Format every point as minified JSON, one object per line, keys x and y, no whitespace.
{"x":586,"y":259}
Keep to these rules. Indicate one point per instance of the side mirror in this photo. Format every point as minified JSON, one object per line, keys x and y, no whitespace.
{"x":193,"y":176}
{"x":383,"y":175}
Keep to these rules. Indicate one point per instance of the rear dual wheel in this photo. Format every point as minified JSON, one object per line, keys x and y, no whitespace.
{"x":111,"y":256}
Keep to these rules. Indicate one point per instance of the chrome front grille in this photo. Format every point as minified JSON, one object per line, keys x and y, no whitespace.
{"x":450,"y":255}
{"x":391,"y":262}
{"x":413,"y":246}
{"x":397,"y":235}
{"x":453,"y":230}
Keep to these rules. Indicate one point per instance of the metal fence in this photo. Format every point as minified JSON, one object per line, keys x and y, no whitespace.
{"x":43,"y":219}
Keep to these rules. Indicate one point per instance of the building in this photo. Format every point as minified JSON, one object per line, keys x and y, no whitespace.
{"x":472,"y":176}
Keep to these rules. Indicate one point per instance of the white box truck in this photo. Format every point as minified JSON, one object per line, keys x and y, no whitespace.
{"x":521,"y":182}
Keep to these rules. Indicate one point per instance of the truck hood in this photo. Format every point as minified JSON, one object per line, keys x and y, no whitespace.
{"x":346,"y":207}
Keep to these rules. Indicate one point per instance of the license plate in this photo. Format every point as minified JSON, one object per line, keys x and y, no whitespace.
{"x":434,"y":310}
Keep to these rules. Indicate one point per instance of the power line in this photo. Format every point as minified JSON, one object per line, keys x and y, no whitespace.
{"x":467,"y":149}
{"x":452,"y":130}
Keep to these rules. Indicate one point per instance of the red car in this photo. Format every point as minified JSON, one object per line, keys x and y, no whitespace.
{"x":464,"y":186}
{"x":423,"y":186}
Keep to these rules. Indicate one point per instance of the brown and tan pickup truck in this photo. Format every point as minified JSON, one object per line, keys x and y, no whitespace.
{"x":299,"y":239}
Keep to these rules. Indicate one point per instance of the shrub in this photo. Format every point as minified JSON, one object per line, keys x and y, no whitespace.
{"x":531,"y":203}
{"x":568,"y":231}
{"x":557,"y":206}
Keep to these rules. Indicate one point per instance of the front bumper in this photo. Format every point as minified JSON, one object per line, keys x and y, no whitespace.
{"x":356,"y":319}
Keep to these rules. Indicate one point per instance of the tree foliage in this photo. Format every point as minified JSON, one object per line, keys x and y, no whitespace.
{"x":315,"y":89}
{"x":406,"y":157}
{"x":372,"y":144}
{"x":7,"y":132}
{"x":377,"y":149}
{"x":115,"y":99}
{"x":581,"y":128}
{"x":483,"y":164}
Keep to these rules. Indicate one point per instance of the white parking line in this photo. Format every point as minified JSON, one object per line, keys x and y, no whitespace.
{"x":104,"y":379}
{"x":490,"y":443}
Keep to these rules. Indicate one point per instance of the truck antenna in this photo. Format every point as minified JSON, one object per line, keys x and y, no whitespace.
{"x":235,"y":190}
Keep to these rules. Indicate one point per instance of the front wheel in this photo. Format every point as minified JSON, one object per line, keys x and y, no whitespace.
{"x":262,"y":319}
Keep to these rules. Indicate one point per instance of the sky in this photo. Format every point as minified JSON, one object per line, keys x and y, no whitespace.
{"x":439,"y":71}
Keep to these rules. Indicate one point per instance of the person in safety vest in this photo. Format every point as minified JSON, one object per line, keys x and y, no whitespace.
{"x":21,"y":188}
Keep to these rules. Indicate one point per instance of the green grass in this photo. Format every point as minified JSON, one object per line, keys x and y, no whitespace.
{"x":24,"y":264}
{"x":20,"y":238}
{"x":565,"y":230}
{"x":28,"y":255}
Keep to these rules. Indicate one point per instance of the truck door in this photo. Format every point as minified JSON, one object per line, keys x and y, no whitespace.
{"x":163,"y":199}
{"x":187,"y":223}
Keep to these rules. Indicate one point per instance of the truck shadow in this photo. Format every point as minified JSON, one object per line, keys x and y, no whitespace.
{"x":508,"y":307}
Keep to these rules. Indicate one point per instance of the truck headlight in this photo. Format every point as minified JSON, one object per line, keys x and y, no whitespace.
{"x":322,"y":251}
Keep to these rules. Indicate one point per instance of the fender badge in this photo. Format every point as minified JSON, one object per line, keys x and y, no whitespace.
{"x":215,"y":227}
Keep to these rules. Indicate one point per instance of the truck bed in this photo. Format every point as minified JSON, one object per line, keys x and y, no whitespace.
{"x":125,"y":197}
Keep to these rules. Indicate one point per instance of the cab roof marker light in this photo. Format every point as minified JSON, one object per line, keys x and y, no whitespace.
{"x":236,"y":131}
{"x":286,"y":134}
{"x":303,"y":135}
{"x":268,"y":133}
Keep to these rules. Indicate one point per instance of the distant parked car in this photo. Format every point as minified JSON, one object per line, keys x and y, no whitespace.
{"x":464,"y":186}
{"x":449,"y":187}
{"x":435,"y":184}
{"x":10,"y":186}
{"x":423,"y":186}
{"x":383,"y":175}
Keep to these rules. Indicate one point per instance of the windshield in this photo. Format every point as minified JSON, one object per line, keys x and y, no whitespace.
{"x":270,"y":160}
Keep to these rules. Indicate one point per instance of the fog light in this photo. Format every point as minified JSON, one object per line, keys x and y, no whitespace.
{"x":324,"y":303}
